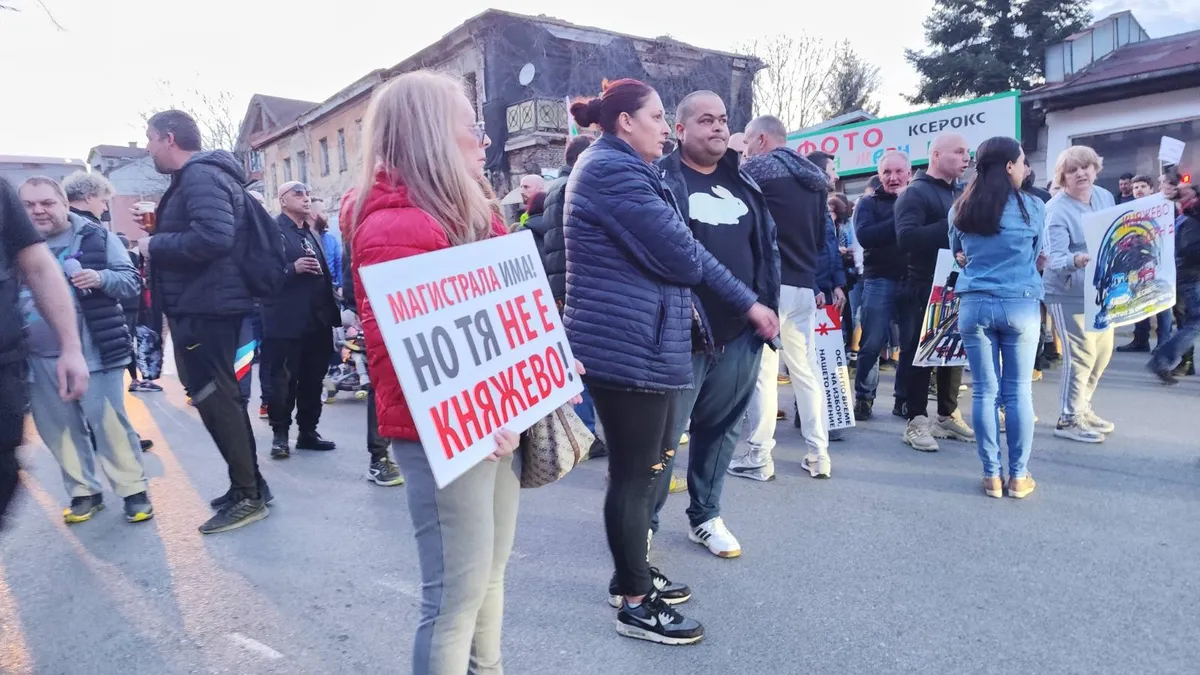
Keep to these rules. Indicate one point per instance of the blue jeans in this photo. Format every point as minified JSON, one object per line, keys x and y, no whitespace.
{"x":586,"y":411}
{"x":1141,"y":329}
{"x":716,"y":406}
{"x":879,"y":302}
{"x":1001,"y":337}
{"x":1168,"y":353}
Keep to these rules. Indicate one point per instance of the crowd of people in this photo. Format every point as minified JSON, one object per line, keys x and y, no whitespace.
{"x":686,"y":271}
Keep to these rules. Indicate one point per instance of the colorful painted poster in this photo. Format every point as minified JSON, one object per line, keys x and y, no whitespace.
{"x":941,"y":344}
{"x":477,"y":343}
{"x":830,"y":348}
{"x":1131,"y":273}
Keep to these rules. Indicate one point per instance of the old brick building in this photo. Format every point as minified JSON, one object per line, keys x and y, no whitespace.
{"x":520,"y":71}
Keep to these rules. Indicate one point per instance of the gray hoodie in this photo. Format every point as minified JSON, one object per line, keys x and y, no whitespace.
{"x":1063,"y":238}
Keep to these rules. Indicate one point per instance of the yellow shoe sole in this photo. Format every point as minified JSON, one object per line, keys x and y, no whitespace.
{"x":74,"y":519}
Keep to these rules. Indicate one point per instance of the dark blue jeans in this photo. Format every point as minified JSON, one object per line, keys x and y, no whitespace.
{"x":724,"y":384}
{"x":879,"y":306}
{"x":1141,"y":329}
{"x":1168,"y":353}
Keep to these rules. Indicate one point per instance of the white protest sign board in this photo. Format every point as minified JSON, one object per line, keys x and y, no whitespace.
{"x":830,"y":348}
{"x":1170,"y":150}
{"x":477,"y":343}
{"x":1130,"y":275}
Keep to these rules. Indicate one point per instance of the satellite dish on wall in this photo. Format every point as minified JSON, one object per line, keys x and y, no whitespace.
{"x":526,"y":76}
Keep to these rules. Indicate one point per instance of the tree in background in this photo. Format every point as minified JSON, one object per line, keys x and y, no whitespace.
{"x":853,"y":85}
{"x":214,"y":113}
{"x":793,"y":85}
{"x":981,"y":47}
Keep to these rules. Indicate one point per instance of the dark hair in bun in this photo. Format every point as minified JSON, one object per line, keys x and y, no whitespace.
{"x":622,"y":96}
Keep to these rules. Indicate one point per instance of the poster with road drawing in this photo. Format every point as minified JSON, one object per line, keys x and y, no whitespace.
{"x":941,"y":344}
{"x":1131,"y":273}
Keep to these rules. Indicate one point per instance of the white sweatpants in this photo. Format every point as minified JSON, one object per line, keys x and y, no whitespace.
{"x":797,"y":319}
{"x":1085,"y":358}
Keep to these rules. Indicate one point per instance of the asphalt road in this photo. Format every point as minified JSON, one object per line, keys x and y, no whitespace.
{"x":897,"y":565}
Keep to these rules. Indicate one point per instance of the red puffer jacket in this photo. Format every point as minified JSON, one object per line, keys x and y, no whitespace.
{"x":391,"y":227}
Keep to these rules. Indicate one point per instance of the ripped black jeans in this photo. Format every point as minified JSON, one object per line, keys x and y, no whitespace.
{"x":637,"y":429}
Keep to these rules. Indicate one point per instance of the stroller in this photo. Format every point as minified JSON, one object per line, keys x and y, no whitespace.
{"x":351,"y":374}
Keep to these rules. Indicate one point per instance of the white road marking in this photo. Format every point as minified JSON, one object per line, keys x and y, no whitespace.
{"x":254,"y":646}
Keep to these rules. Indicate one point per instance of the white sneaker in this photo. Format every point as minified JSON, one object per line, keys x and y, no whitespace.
{"x":754,"y":464}
{"x":818,"y":466}
{"x":917,"y":434}
{"x":719,"y":540}
{"x":1078,"y":430}
{"x":1098,"y":423}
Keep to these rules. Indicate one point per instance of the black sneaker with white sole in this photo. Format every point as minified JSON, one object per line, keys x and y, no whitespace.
{"x":224,"y":500}
{"x":671,"y":592}
{"x":656,"y":621}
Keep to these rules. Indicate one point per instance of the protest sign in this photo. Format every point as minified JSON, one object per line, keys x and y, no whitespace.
{"x":477,"y":343}
{"x":830,"y":349}
{"x":1130,"y":275}
{"x":1170,"y":150}
{"x":941,"y":344}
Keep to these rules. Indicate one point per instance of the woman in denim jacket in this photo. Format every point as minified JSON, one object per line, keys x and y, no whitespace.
{"x":995,"y":233}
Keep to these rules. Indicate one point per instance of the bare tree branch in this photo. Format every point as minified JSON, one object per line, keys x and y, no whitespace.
{"x":13,"y":8}
{"x":794,"y":83}
{"x":213,"y":111}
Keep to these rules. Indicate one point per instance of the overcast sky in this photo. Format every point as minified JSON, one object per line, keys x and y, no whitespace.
{"x":66,"y":91}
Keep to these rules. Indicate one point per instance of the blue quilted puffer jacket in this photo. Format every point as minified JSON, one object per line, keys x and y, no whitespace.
{"x":631,"y":263}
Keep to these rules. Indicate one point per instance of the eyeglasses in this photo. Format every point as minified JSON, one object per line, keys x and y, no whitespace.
{"x":480,"y":132}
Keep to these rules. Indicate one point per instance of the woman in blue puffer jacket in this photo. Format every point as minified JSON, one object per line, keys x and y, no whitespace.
{"x":631,"y":263}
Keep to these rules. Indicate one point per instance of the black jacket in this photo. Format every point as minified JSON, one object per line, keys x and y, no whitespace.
{"x":923,"y":223}
{"x":764,"y":234}
{"x":875,"y":227}
{"x":306,"y":302}
{"x":1187,"y":249}
{"x":193,"y":272}
{"x":536,"y":223}
{"x":796,"y":195}
{"x":554,"y":248}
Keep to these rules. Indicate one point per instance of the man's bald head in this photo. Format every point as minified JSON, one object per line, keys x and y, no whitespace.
{"x":949,"y":156}
{"x":764,"y":134}
{"x":686,"y":109}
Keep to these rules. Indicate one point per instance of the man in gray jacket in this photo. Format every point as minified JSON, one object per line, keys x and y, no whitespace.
{"x":78,"y":432}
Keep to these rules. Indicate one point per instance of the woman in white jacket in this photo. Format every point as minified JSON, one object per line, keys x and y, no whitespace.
{"x":1085,"y":354}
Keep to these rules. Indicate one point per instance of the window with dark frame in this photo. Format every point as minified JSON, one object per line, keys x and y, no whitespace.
{"x":341,"y":138}
{"x":287,"y":169}
{"x":274,"y":179}
{"x":324,"y":144}
{"x":302,"y":161}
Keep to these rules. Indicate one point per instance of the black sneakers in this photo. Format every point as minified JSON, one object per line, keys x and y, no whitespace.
{"x":311,"y":440}
{"x":672,"y":593}
{"x":862,"y":409}
{"x":264,"y":492}
{"x":279,"y":445}
{"x":598,"y":449}
{"x":656,"y":621}
{"x":385,"y":472}
{"x":83,"y":508}
{"x":236,"y":514}
{"x":138,"y":508}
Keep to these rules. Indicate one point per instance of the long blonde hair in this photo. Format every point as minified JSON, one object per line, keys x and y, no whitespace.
{"x":409,"y":133}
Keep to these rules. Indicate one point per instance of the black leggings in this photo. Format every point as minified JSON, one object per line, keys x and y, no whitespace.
{"x":637,"y":428}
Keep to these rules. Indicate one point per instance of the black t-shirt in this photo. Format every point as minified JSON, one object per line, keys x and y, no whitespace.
{"x":16,"y":234}
{"x":719,"y":208}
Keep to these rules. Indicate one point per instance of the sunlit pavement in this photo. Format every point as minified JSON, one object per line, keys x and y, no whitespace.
{"x":897,"y":565}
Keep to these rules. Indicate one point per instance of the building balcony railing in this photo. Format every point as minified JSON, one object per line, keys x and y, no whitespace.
{"x":537,"y":114}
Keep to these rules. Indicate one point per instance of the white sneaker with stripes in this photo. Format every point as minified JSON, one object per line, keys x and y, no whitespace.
{"x":719,"y":540}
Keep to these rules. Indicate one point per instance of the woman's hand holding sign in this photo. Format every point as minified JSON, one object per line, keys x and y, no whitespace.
{"x":582,"y":371}
{"x":506,"y":444}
